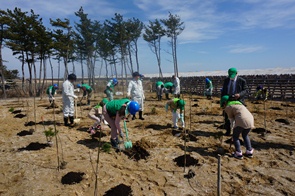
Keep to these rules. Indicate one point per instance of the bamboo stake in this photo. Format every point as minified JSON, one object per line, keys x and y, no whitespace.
{"x":56,"y":141}
{"x":97,"y":162}
{"x":219,"y":176}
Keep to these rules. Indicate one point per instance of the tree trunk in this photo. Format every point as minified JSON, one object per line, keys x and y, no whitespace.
{"x":115,"y":65}
{"x":82,"y":68}
{"x":23,"y":71}
{"x":44,"y":77}
{"x":175,"y":55}
{"x":40,"y":76}
{"x":74,"y":69}
{"x":1,"y":63}
{"x":35,"y":76}
{"x":58,"y":74}
{"x":107,"y":70}
{"x":51,"y":70}
{"x":130,"y":57}
{"x":136,"y":54}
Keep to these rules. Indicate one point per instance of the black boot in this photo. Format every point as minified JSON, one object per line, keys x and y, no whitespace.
{"x":160,"y":97}
{"x":66,"y":123}
{"x":140,"y":115}
{"x":134,"y":117}
{"x":167,"y":96}
{"x":72,"y":120}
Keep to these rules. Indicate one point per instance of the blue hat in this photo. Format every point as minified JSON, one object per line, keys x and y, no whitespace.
{"x":115,"y":81}
{"x":79,"y":85}
{"x":55,"y":85}
{"x":133,"y":107}
{"x":207,"y":80}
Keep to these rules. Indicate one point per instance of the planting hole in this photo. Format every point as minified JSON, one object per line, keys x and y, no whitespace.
{"x":190,"y":137}
{"x":72,"y":178}
{"x":190,"y":161}
{"x":30,"y":123}
{"x":19,"y":116}
{"x":281,"y":120}
{"x":137,"y":152}
{"x":195,"y":105}
{"x":16,"y":112}
{"x":121,"y":189}
{"x":34,"y":146}
{"x":260,"y":131}
{"x":276,"y":108}
{"x":25,"y":132}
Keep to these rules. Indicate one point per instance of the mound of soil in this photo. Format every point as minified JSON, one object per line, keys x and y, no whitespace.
{"x":20,"y":116}
{"x":72,"y":178}
{"x":30,"y":123}
{"x":121,"y":189}
{"x":24,"y":133}
{"x":281,"y":120}
{"x":16,"y":112}
{"x":137,"y":152}
{"x":260,"y":130}
{"x":34,"y":146}
{"x":189,"y":161}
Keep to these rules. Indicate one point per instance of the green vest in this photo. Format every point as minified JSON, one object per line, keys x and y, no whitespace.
{"x":234,"y":103}
{"x":159,"y":83}
{"x":87,"y":87}
{"x":52,"y":90}
{"x":114,"y":106}
{"x":168,"y":85}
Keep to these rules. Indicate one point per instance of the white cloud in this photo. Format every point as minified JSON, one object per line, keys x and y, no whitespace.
{"x":244,"y":49}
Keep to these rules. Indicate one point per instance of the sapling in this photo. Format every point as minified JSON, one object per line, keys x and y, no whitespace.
{"x":11,"y":109}
{"x":106,"y":147}
{"x":49,"y":135}
{"x":153,"y":110}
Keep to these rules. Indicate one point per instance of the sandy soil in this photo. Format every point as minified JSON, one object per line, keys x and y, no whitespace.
{"x":28,"y":172}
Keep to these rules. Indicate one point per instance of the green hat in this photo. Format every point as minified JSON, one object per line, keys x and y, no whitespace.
{"x":223,"y":99}
{"x":105,"y":101}
{"x":181,"y":104}
{"x":232,"y":72}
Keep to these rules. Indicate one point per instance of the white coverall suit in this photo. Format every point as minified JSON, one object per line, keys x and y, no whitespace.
{"x":68,"y":97}
{"x":176,"y":83}
{"x":135,"y":91}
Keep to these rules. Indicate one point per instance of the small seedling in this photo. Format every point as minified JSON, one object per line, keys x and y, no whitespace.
{"x":49,"y":135}
{"x":106,"y":147}
{"x":153,"y":110}
{"x":11,"y":109}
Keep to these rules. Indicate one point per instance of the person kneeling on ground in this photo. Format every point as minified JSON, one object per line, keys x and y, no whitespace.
{"x":116,"y":110}
{"x":242,"y":122}
{"x":96,"y":114}
{"x":175,"y":104}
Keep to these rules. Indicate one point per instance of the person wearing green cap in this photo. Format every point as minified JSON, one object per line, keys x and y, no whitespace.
{"x":242,"y":121}
{"x":236,"y":88}
{"x":174,"y":105}
{"x":160,"y":89}
{"x":96,"y":114}
{"x":87,"y":91}
{"x":168,"y":89}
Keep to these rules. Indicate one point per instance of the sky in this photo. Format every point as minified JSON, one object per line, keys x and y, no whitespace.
{"x":218,"y":34}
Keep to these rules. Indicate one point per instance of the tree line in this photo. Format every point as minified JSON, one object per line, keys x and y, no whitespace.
{"x":112,"y":42}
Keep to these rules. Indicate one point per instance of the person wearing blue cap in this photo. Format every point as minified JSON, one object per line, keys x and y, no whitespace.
{"x":116,"y":110}
{"x":236,"y":88}
{"x":51,"y":90}
{"x":110,"y":88}
{"x":208,"y":88}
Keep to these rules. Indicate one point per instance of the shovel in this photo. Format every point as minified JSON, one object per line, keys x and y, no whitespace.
{"x":127,"y":143}
{"x":76,"y":120}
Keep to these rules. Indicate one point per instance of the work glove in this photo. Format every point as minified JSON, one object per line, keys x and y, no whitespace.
{"x":232,"y":123}
{"x":52,"y":98}
{"x":121,"y":134}
{"x":75,"y":97}
{"x":182,"y":120}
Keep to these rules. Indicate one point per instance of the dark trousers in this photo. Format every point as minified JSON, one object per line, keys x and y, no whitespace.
{"x":226,"y":123}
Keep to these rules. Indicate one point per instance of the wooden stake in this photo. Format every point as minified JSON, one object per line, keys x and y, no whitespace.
{"x":56,"y":141}
{"x":219,"y":176}
{"x":97,"y":162}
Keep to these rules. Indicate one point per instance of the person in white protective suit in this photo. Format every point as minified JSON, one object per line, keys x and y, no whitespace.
{"x":135,"y":93}
{"x":174,"y":105}
{"x":176,"y":83}
{"x":68,"y":97}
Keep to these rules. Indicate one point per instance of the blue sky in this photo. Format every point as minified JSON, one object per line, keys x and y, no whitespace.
{"x":219,"y":34}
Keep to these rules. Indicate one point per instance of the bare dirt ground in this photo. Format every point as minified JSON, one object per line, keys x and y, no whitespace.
{"x":152,"y":166}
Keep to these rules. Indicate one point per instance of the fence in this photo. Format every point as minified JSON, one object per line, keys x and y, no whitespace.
{"x":279,"y":86}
